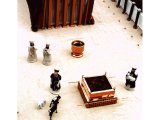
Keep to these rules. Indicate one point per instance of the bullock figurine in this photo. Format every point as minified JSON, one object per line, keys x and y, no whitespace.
{"x":131,"y":78}
{"x":32,"y":56}
{"x":53,"y":106}
{"x":41,"y":103}
{"x":55,"y":80}
{"x":46,"y":56}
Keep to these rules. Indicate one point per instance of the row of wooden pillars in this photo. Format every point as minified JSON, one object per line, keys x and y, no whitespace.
{"x":56,"y":13}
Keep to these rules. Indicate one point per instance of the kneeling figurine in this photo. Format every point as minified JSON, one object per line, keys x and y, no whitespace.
{"x":131,"y":78}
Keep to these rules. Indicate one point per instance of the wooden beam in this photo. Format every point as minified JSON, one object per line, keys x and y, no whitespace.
{"x":73,"y":12}
{"x":90,"y":9}
{"x":57,"y":12}
{"x":50,"y":12}
{"x":86,"y":12}
{"x":81,"y":12}
{"x":65,"y":12}
{"x":43,"y":19}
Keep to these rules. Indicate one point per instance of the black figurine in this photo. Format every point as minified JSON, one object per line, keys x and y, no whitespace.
{"x":53,"y":106}
{"x":131,"y":78}
{"x":55,"y":80}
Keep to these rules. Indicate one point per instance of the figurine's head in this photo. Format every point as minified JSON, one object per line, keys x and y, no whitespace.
{"x":47,"y":46}
{"x":31,"y":43}
{"x":58,"y":97}
{"x":56,"y":71}
{"x":133,"y":70}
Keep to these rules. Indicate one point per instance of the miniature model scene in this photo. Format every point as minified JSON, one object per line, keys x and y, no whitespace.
{"x":70,"y":80}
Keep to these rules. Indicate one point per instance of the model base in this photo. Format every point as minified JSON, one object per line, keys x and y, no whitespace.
{"x":77,"y":55}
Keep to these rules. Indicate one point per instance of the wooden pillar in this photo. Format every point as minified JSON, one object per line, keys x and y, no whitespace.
{"x":137,"y":17}
{"x":65,"y":13}
{"x":73,"y":12}
{"x":80,"y":12}
{"x":90,"y":9}
{"x":118,"y":4}
{"x":42,"y":19}
{"x":57,"y":12}
{"x":131,"y":11}
{"x":86,"y":12}
{"x":125,"y":6}
{"x":50,"y":8}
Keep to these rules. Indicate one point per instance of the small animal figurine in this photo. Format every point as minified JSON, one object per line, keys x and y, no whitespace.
{"x":55,"y":80}
{"x":47,"y":59}
{"x":53,"y":106}
{"x":41,"y":103}
{"x":32,"y":56}
{"x":131,"y":78}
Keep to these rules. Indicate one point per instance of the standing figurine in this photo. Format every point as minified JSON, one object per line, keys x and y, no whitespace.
{"x":32,"y":56}
{"x":131,"y":78}
{"x":47,"y":56}
{"x":53,"y":106}
{"x":55,"y":80}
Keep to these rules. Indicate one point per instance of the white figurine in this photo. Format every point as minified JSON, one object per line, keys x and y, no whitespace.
{"x":41,"y":103}
{"x":47,"y":58}
{"x":32,"y":56}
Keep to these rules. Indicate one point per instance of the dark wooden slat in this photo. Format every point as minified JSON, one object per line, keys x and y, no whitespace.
{"x":118,"y":4}
{"x":80,"y":12}
{"x":86,"y":13}
{"x":125,"y":6}
{"x":137,"y":18}
{"x":73,"y":12}
{"x":57,"y":12}
{"x":65,"y":12}
{"x":131,"y":11}
{"x":91,"y":3}
{"x":50,"y":13}
{"x":42,"y":20}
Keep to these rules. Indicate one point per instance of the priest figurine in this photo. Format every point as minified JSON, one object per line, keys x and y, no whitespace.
{"x":32,"y":55}
{"x":55,"y":80}
{"x":47,"y":59}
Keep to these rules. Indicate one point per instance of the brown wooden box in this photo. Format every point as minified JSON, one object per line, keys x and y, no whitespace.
{"x":96,"y":91}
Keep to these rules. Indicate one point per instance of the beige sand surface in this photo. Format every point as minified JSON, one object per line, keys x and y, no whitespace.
{"x":108,"y":48}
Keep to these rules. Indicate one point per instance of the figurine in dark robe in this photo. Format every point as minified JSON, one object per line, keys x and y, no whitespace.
{"x":53,"y":106}
{"x":47,"y":59}
{"x":131,"y":78}
{"x":32,"y":55}
{"x":55,"y":81}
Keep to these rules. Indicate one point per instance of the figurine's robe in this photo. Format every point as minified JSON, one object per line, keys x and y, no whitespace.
{"x":131,"y":80}
{"x":32,"y":55}
{"x":47,"y":59}
{"x":55,"y":81}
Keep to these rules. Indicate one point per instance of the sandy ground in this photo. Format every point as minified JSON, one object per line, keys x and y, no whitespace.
{"x":109,"y":48}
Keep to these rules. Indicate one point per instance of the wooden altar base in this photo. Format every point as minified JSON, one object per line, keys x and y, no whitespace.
{"x":97,"y":103}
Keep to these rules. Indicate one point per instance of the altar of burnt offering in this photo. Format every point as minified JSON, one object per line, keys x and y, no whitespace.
{"x":96,"y":91}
